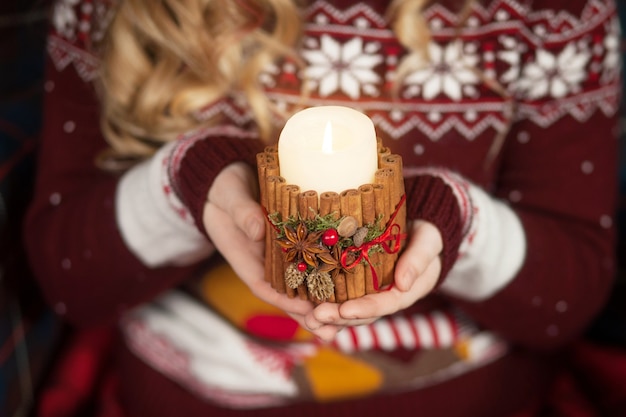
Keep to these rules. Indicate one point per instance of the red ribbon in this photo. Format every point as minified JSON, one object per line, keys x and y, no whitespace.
{"x":391,"y":234}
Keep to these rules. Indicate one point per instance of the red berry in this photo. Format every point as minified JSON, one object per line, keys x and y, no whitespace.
{"x":302,"y":266}
{"x":330,"y":237}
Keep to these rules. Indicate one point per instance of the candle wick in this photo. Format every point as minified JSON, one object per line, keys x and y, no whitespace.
{"x":327,"y":145}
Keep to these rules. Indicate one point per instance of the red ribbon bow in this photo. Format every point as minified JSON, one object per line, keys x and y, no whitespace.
{"x":391,"y":234}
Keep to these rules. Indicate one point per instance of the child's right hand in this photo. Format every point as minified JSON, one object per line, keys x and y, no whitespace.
{"x":416,"y":274}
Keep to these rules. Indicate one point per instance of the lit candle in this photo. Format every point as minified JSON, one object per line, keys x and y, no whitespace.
{"x":328,"y":148}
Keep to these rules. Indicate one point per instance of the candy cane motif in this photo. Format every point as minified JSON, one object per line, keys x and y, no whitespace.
{"x":433,"y":330}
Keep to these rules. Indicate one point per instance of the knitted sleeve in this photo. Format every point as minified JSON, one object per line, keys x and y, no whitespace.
{"x":560,"y":186}
{"x":430,"y":198}
{"x":556,"y":189}
{"x":163,"y":199}
{"x":196,"y":161}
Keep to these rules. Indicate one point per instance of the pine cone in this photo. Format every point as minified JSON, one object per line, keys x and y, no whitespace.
{"x":293,"y":277}
{"x":320,"y":285}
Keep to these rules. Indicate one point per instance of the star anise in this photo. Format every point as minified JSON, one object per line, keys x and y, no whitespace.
{"x":300,"y":245}
{"x":331,"y":261}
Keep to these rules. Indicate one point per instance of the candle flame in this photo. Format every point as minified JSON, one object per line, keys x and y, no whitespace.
{"x":327,"y":145}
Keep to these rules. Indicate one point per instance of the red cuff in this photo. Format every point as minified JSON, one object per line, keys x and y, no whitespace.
{"x":429,"y":198}
{"x":202,"y":163}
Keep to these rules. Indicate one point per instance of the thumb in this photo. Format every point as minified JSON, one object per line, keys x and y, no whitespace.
{"x":235,"y":192}
{"x":425,"y":245}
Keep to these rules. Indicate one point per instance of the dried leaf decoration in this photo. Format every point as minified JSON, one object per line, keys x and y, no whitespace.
{"x":330,"y":261}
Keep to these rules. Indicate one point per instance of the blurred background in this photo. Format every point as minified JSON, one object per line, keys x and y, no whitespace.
{"x":29,"y":333}
{"x":32,"y":340}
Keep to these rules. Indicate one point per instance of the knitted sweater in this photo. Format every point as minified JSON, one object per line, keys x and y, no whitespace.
{"x":528,"y":230}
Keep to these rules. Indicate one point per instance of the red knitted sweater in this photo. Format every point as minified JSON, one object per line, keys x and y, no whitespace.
{"x":528,"y":233}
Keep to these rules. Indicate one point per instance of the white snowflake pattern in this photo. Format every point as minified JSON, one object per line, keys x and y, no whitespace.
{"x":612,"y":42}
{"x":448,"y":70}
{"x":554,"y":75}
{"x":348,"y":68}
{"x":511,"y":55}
{"x":64,"y":18}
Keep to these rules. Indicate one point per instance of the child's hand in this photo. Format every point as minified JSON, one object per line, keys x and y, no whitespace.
{"x":416,"y":273}
{"x":235,"y":223}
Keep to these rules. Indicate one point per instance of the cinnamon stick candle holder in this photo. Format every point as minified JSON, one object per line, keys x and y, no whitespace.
{"x":330,"y":246}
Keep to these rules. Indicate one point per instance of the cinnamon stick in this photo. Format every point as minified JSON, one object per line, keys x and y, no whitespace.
{"x":350,"y":201}
{"x":383,"y":151}
{"x":386,"y":177}
{"x":285,"y":209}
{"x":261,"y":164}
{"x":275,"y":269}
{"x":376,"y":258}
{"x":394,"y":162}
{"x":287,"y":191}
{"x":272,"y":169}
{"x":355,"y":281}
{"x":308,"y":209}
{"x":272,"y":149}
{"x":307,"y":206}
{"x":294,"y":195}
{"x":369,"y":270}
{"x":341,"y":292}
{"x":380,"y":201}
{"x":269,"y":232}
{"x":294,"y":211}
{"x":330,"y":204}
{"x":368,"y":205}
{"x":263,"y":160}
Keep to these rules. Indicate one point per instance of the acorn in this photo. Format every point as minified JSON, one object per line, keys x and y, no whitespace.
{"x":347,"y":227}
{"x":359,"y":236}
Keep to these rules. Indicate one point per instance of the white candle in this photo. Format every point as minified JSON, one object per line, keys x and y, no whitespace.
{"x":328,"y":148}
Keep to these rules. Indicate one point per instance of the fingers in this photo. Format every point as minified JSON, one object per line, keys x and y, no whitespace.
{"x":236,"y":225}
{"x":247,"y":259}
{"x":234,"y":192}
{"x":384,"y":303}
{"x":264,"y":291}
{"x":425,"y":244}
{"x":331,"y":313}
{"x":233,"y":243}
{"x":325,"y":332}
{"x":417,"y":272}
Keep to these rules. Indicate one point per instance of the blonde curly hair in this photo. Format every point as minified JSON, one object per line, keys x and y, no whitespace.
{"x":162,"y":64}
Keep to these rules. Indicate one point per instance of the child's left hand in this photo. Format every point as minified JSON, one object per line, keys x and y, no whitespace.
{"x":235,"y":223}
{"x":416,"y":274}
